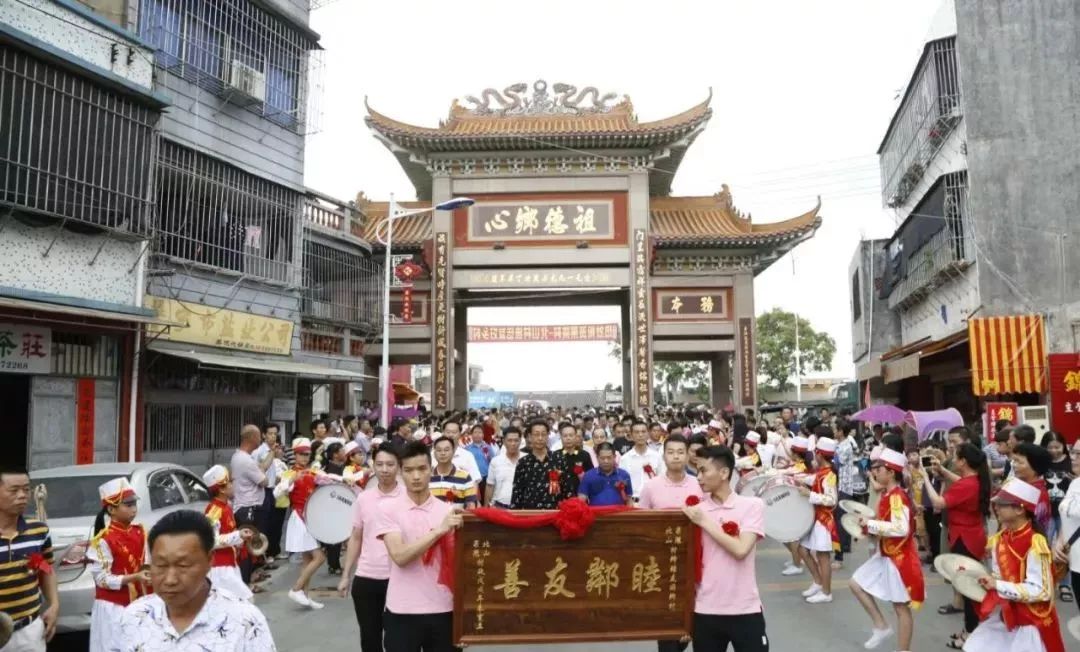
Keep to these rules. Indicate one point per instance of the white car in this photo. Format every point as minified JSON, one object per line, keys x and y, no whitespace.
{"x":73,"y":504}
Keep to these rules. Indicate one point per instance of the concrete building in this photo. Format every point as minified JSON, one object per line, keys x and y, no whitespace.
{"x":979,"y":166}
{"x":79,"y":115}
{"x":157,"y":181}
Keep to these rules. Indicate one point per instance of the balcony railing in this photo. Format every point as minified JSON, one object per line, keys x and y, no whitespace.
{"x":945,"y":254}
{"x":931,"y":109}
{"x":341,"y":287}
{"x":71,"y":149}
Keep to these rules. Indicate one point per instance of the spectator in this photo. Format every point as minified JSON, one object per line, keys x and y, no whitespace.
{"x":1058,"y":479}
{"x":1030,"y":464}
{"x":1067,"y":545}
{"x":249,"y":483}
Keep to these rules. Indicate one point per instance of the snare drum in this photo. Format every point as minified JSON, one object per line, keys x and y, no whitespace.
{"x":328,"y":515}
{"x":788,"y":514}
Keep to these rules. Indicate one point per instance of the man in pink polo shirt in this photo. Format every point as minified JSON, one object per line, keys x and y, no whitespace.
{"x":419,"y":610}
{"x":728,"y":607}
{"x":669,"y":491}
{"x":373,"y":569}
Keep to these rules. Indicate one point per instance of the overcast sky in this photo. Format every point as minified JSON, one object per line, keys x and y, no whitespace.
{"x":802,"y":94}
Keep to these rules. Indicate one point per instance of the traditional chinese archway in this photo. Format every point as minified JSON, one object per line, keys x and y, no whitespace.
{"x":573,"y":200}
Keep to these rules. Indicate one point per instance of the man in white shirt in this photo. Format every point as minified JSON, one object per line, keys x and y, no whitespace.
{"x":462,"y":459}
{"x":641,"y":462}
{"x":249,"y":487}
{"x":500,"y":479}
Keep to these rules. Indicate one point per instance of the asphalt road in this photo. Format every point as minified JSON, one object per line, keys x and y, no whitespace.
{"x":792,"y":624}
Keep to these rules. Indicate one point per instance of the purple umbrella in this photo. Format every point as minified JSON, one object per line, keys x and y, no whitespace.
{"x":881,"y":413}
{"x":925,"y":423}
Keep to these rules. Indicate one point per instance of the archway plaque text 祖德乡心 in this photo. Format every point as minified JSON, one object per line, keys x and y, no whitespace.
{"x":631,"y":577}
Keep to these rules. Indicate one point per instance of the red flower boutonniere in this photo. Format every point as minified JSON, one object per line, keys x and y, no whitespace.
{"x":36,"y":563}
{"x":579,"y":470}
{"x":553,"y":482}
{"x":447,"y":497}
{"x":731,"y":528}
{"x":692,"y":500}
{"x":699,"y":555}
{"x":649,"y":470}
{"x":621,"y":487}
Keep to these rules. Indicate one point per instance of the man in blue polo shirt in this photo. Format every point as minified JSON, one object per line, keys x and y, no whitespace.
{"x":28,"y":591}
{"x":606,"y":484}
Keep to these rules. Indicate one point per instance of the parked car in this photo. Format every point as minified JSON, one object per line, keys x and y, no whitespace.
{"x":73,"y":504}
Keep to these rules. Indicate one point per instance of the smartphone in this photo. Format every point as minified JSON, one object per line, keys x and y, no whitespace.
{"x":927,"y":461}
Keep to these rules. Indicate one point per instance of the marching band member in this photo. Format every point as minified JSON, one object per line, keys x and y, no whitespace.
{"x":355,"y":472}
{"x":298,"y":483}
{"x":1018,"y":612}
{"x":117,"y":553}
{"x":822,"y":539}
{"x":893,"y":573}
{"x":229,"y":542}
{"x":799,"y":446}
{"x":751,"y":461}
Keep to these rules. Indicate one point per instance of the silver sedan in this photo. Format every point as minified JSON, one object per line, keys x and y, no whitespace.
{"x":73,"y":503}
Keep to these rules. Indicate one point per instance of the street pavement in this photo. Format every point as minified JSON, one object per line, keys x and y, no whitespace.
{"x":792,"y":624}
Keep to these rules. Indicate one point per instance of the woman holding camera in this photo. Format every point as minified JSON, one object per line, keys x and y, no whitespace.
{"x":967,"y":506}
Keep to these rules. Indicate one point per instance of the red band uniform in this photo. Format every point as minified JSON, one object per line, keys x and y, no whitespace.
{"x":823,"y":536}
{"x":114,"y":552}
{"x":229,"y":548}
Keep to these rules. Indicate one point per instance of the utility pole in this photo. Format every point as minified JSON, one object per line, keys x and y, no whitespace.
{"x":798,"y":351}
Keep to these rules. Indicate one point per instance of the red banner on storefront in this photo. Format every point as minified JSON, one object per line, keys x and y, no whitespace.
{"x":1002,"y":412}
{"x":1065,"y":394}
{"x":84,"y":421}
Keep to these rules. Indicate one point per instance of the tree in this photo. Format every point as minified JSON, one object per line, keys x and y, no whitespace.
{"x":775,"y":339}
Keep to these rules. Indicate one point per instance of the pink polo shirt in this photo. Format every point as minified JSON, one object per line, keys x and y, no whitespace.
{"x":374,"y":562}
{"x":729,"y":586}
{"x":661,"y":493}
{"x":415,"y":588}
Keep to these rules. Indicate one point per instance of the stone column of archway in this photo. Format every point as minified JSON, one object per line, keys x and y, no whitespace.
{"x":745,"y":362}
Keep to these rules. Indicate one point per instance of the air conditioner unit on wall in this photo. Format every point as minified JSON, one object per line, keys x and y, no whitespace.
{"x":246,"y":81}
{"x":1036,"y":416}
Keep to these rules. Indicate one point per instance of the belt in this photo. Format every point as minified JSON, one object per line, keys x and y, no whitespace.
{"x":501,"y":505}
{"x":23,"y":622}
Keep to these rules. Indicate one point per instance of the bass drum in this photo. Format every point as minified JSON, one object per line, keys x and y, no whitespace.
{"x":749,"y":485}
{"x":788,"y":514}
{"x":329,"y":513}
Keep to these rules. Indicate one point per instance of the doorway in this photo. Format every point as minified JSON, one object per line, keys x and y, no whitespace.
{"x":15,"y":390}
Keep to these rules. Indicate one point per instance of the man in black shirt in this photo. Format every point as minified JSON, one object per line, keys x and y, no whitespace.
{"x":571,"y":454}
{"x":541,"y":481}
{"x":622,"y":441}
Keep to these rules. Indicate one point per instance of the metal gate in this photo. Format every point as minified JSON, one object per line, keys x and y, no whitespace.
{"x":197,"y":435}
{"x":53,"y":419}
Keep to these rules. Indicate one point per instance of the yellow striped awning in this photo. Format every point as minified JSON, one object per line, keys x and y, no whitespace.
{"x":1008,"y":354}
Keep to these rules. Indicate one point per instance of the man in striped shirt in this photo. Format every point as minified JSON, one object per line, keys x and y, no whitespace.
{"x":26,"y":572}
{"x":448,"y":482}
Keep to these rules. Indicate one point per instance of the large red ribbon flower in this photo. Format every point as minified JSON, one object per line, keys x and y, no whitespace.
{"x":579,"y":470}
{"x":621,"y":487}
{"x":649,"y":470}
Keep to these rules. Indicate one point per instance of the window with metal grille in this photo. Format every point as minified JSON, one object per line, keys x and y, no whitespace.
{"x":341,"y":287}
{"x":237,"y":50}
{"x":173,"y":427}
{"x":212,"y":213}
{"x":72,"y":149}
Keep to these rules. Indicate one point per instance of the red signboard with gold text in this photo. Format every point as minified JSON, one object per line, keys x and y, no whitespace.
{"x":1065,"y":394}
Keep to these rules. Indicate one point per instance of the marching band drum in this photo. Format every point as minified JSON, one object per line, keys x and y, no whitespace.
{"x":329,"y":513}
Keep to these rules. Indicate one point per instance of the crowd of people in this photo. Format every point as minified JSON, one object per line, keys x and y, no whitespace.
{"x":192,"y":577}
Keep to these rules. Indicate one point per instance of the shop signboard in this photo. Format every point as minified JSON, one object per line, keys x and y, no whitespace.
{"x":25,"y":349}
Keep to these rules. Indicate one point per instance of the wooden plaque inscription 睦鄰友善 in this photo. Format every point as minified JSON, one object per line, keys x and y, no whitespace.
{"x":631,"y":577}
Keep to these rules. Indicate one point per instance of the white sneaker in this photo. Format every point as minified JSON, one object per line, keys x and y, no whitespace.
{"x":814,"y":588}
{"x":792,"y":570}
{"x":819,"y":597}
{"x":877,"y":638}
{"x":300,"y":598}
{"x":315,"y":605}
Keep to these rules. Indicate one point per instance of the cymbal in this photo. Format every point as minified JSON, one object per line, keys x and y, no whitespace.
{"x":855,"y":507}
{"x":850,"y":522}
{"x":949,"y":565}
{"x":967,"y":585}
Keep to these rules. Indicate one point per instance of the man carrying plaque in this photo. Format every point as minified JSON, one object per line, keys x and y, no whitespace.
{"x":419,"y":608}
{"x":727,"y":607}
{"x":541,"y":481}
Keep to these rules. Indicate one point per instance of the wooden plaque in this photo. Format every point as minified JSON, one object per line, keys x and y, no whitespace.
{"x":630,"y":578}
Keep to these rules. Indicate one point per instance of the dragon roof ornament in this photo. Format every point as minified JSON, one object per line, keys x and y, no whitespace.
{"x":564,"y":99}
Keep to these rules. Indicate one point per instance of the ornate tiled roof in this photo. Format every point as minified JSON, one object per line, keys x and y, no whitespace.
{"x":715,"y":220}
{"x":674,"y":221}
{"x":519,"y":122}
{"x":565,"y":120}
{"x":411,"y":231}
